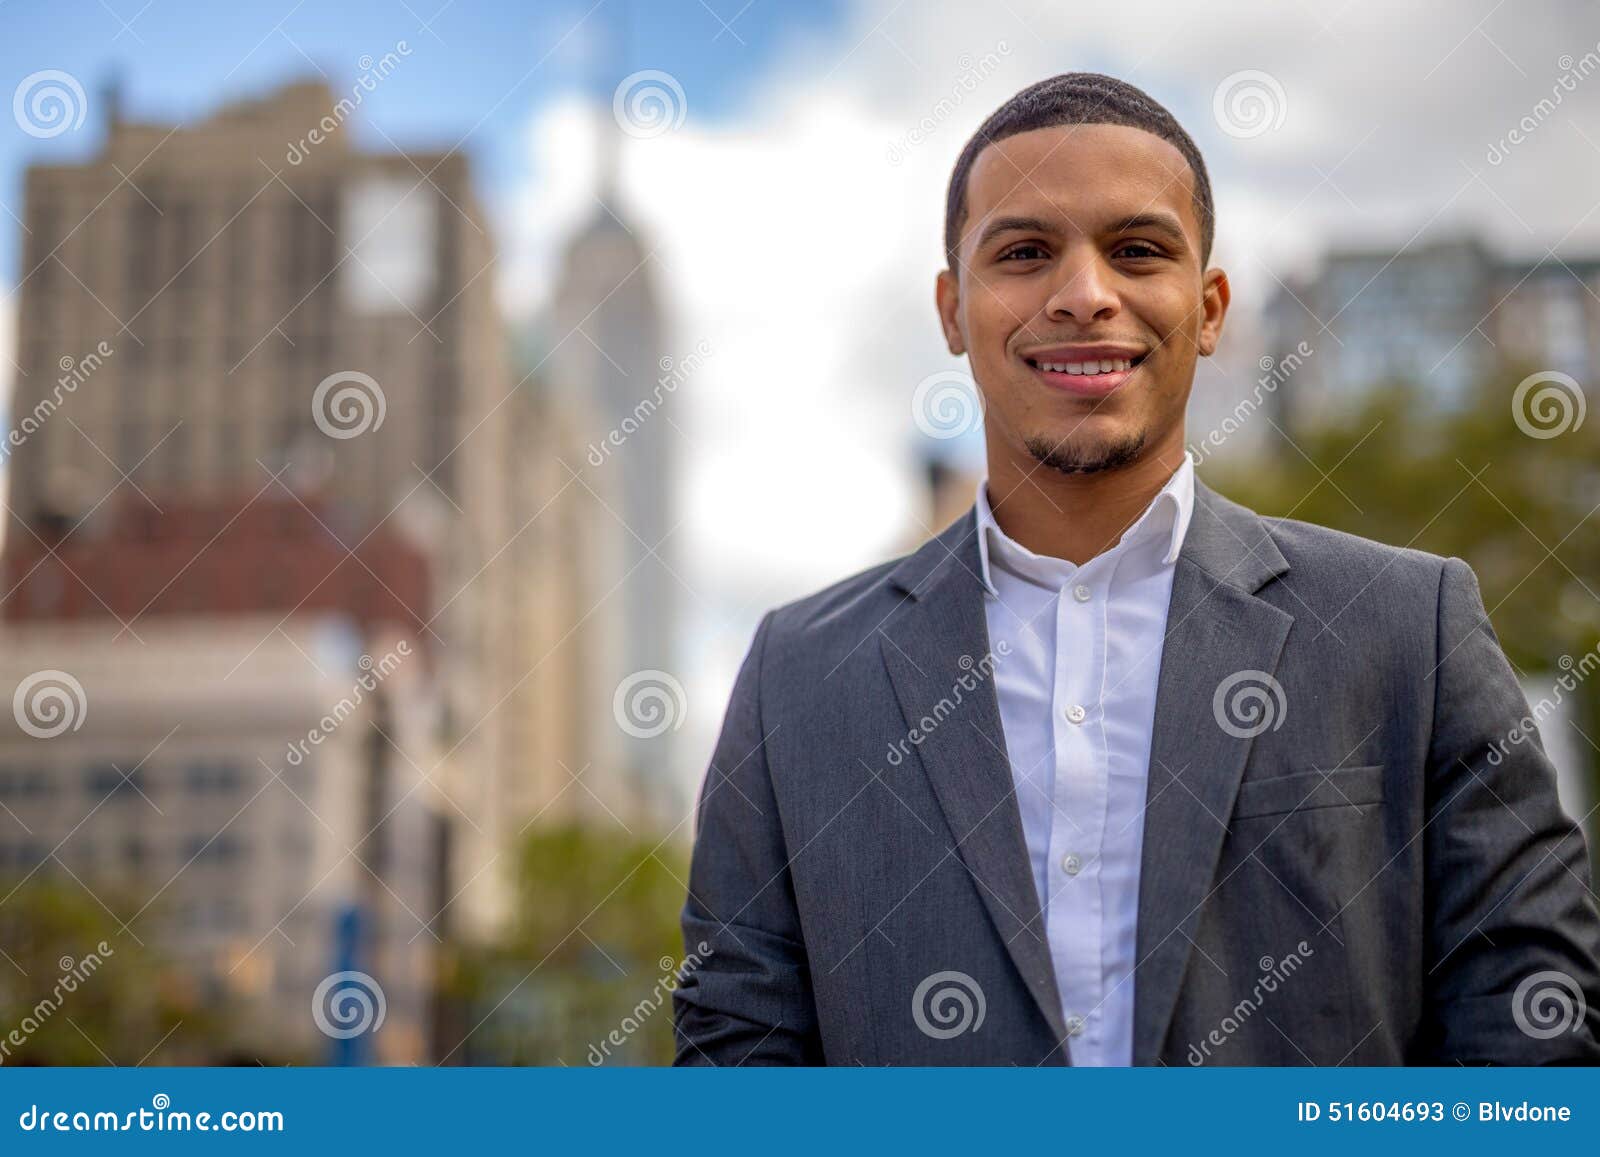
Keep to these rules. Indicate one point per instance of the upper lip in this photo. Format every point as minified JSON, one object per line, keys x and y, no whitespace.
{"x":1069,"y":354}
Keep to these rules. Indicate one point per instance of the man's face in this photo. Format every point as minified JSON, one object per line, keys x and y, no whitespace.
{"x":1081,"y":249}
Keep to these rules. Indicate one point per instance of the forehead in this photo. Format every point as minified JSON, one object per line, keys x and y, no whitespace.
{"x":1091,"y":174}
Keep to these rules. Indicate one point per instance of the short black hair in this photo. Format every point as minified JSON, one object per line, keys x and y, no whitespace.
{"x":1077,"y":98}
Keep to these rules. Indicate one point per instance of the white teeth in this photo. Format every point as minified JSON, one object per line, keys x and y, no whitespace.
{"x":1103,"y":366}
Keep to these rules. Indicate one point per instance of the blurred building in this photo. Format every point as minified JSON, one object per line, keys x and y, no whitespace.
{"x":263,"y":386}
{"x":618,"y":381}
{"x":1441,"y":315}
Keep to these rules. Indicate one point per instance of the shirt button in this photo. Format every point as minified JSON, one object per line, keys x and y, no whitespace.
{"x":1075,"y":714}
{"x":1082,"y":593}
{"x":1071,"y":864}
{"x":1074,"y":1024}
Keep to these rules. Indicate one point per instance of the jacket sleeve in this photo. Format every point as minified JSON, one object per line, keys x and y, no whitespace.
{"x":747,"y":998}
{"x":1510,"y":966}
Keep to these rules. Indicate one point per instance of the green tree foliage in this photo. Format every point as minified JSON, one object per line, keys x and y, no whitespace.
{"x":77,"y":989}
{"x":1469,"y":481}
{"x":590,"y":961}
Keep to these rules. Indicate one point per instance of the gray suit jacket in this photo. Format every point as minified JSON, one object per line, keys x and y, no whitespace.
{"x":1372,"y":869}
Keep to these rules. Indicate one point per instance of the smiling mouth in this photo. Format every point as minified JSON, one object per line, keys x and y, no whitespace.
{"x":1087,"y":379}
{"x":1088,"y":369}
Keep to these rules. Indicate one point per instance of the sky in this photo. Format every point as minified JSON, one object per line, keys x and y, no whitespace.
{"x":795,"y":207}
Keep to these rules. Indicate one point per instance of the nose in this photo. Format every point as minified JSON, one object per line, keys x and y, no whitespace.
{"x":1085,"y":292}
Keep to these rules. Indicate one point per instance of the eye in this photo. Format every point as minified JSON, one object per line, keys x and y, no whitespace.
{"x":1139,"y":250}
{"x":1024,"y":251}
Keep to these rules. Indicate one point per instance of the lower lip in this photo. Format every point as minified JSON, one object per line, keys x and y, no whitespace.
{"x":1085,"y":385}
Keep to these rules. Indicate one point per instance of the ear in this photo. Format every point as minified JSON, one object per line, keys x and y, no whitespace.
{"x":947,"y":298}
{"x":1215,"y":295}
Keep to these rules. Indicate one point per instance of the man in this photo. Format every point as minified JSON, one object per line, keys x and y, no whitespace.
{"x":1115,"y":771}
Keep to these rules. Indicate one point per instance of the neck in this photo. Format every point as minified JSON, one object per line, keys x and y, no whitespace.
{"x":1076,"y":516}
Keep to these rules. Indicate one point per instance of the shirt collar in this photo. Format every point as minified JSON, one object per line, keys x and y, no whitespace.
{"x":1165,"y":519}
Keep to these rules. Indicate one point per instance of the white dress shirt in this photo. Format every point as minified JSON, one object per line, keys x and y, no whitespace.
{"x":1077,"y":694}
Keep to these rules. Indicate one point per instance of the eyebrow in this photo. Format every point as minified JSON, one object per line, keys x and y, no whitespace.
{"x":1162,"y":223}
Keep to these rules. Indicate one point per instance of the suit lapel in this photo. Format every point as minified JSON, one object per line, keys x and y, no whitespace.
{"x":926,"y":650}
{"x":1217,"y":629}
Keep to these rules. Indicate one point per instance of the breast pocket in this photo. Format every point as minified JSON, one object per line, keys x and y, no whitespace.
{"x":1311,"y":790}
